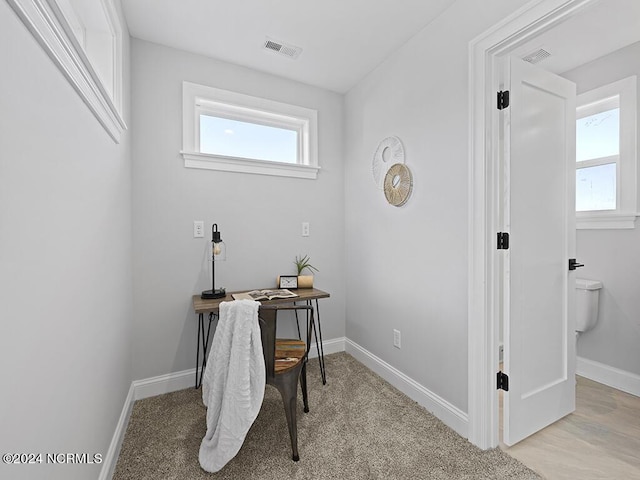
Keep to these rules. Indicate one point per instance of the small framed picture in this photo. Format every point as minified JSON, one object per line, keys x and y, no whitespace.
{"x":288,"y":281}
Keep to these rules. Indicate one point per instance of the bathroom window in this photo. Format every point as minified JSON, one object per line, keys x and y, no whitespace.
{"x":606,"y":156}
{"x":233,"y":132}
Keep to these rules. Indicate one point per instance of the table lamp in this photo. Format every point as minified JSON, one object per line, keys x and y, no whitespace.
{"x":218,"y":253}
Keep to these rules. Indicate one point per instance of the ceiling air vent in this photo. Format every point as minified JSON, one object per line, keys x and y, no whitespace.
{"x":537,"y":56}
{"x":281,"y":48}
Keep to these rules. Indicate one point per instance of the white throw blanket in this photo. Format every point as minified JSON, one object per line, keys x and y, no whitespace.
{"x":234,"y":383}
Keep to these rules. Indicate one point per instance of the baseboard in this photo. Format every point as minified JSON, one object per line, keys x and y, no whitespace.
{"x":610,"y":376}
{"x":111,"y":458}
{"x":150,"y":387}
{"x":445,"y":411}
{"x":171,"y":382}
{"x":328,"y":347}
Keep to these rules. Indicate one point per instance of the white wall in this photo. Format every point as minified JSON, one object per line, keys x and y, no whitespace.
{"x":407,"y":267}
{"x":65,"y":264}
{"x":259,"y":216}
{"x":612,"y":256}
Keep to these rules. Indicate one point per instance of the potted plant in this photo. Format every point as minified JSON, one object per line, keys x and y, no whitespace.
{"x":302,"y":263}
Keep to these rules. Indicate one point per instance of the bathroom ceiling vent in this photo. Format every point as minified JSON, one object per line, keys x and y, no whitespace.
{"x":281,"y":48}
{"x":537,"y":56}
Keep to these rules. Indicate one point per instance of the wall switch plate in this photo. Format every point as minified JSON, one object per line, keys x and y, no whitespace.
{"x":198,"y":229}
{"x":396,"y":338}
{"x":305,"y":229}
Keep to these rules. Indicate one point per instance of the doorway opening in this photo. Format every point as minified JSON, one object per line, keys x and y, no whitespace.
{"x":510,"y":36}
{"x":485,"y":301}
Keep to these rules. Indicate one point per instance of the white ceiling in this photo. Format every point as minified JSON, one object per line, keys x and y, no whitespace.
{"x":343,"y":40}
{"x":592,"y":33}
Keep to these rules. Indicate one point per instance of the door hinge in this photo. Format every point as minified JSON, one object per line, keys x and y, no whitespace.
{"x":503,"y":241}
{"x":503,"y":381}
{"x":503,"y":99}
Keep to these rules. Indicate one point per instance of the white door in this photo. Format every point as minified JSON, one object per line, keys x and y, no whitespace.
{"x":539,"y":215}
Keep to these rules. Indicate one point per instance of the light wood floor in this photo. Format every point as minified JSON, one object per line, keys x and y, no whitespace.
{"x":600,"y":440}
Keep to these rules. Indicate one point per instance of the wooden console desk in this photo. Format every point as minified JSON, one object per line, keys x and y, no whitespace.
{"x":211,"y":307}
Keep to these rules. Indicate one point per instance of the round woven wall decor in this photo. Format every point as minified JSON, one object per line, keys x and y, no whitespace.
{"x":389,"y":152}
{"x":398,"y":184}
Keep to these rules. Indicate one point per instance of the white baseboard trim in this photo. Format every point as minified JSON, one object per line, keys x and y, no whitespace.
{"x":451,"y":415}
{"x":328,"y":347}
{"x":171,"y":382}
{"x":150,"y":387}
{"x":610,"y":376}
{"x":111,"y":458}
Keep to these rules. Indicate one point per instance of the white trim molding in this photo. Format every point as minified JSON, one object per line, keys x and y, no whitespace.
{"x":445,"y":411}
{"x":613,"y":377}
{"x":50,"y":28}
{"x":111,"y":458}
{"x":334,"y":345}
{"x":606,"y":221}
{"x":247,"y":165}
{"x":172,"y":382}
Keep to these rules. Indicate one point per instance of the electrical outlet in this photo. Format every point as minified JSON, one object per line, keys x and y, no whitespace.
{"x":198,"y":229}
{"x":305,"y":229}
{"x":396,"y":338}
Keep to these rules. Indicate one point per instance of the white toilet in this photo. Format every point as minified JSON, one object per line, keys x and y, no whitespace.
{"x":587,"y":299}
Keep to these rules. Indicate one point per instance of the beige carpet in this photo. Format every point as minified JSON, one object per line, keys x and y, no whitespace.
{"x":359,"y":427}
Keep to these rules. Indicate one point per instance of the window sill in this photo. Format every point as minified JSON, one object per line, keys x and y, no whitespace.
{"x":602,"y":221}
{"x":245,"y":165}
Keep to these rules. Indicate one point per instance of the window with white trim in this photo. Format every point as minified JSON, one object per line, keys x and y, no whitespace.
{"x":606,"y":161}
{"x":84,"y":39}
{"x":229,"y":131}
{"x":95,"y":26}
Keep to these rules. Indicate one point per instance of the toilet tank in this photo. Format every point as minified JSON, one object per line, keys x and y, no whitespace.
{"x":587,"y":300}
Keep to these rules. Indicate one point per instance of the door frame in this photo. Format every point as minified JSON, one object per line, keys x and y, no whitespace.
{"x":484,"y":300}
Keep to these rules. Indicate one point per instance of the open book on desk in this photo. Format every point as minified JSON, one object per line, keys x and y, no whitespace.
{"x":258,"y":295}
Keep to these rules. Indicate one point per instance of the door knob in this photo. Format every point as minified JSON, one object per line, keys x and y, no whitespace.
{"x":573,"y":264}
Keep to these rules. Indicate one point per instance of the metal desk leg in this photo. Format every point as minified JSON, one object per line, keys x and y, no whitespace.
{"x":319,"y":348}
{"x":297,"y":321}
{"x":205,"y":342}
{"x":323,"y":370}
{"x":200,"y":327}
{"x":317,"y":330}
